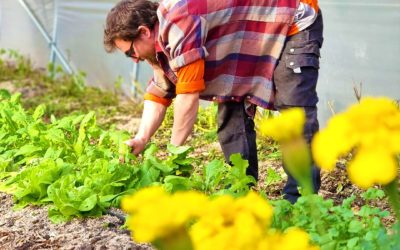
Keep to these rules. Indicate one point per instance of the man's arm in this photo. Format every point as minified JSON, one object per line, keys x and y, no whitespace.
{"x":152,"y":117}
{"x":190,"y":83}
{"x":185,"y":112}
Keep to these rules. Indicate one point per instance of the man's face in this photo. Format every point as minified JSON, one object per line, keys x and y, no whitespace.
{"x":140,"y":49}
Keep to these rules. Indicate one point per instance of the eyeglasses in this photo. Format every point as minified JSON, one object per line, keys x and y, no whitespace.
{"x":130,"y":51}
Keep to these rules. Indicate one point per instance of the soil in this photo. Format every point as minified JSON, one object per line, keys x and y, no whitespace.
{"x":30,"y":228}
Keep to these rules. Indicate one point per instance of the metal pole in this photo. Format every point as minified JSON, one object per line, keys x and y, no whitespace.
{"x":135,"y":73}
{"x":46,"y":36}
{"x":54,"y":41}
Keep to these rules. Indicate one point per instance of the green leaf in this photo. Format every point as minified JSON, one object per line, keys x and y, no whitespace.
{"x":52,"y":153}
{"x":78,"y":119}
{"x":352,"y":242}
{"x":372,"y":194}
{"x":147,"y":174}
{"x":4,"y":94}
{"x":355,"y":226}
{"x":39,"y":111}
{"x":28,"y":149}
{"x":272,"y":177}
{"x":179,"y":150}
{"x":213,"y":173}
{"x":150,"y":149}
{"x":239,"y":163}
{"x":56,"y":216}
{"x":107,"y":198}
{"x":365,"y":211}
{"x":175,"y":183}
{"x":16,"y":98}
{"x":156,"y":163}
{"x":89,"y":203}
{"x":53,"y":119}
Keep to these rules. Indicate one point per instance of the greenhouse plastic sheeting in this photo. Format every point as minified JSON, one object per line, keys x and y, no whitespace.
{"x":361,"y":45}
{"x":76,"y":28}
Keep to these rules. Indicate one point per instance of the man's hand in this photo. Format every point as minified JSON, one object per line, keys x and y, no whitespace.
{"x":152,"y":117}
{"x":137,"y":145}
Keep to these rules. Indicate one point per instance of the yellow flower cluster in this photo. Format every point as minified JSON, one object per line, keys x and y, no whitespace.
{"x":294,"y":239}
{"x":372,"y":128}
{"x":285,"y":127}
{"x":155,"y":214}
{"x":229,"y":223}
{"x":219,"y":223}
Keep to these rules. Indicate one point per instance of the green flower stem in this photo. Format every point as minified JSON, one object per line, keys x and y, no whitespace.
{"x":306,"y":184}
{"x":392,"y":192}
{"x":179,"y":240}
{"x":308,"y":190}
{"x":297,"y":159}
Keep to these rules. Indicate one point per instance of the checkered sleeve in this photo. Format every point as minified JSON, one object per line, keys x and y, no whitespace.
{"x":160,"y":89}
{"x":181,"y":34}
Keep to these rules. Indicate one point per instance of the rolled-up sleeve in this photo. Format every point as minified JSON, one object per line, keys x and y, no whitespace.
{"x":191,"y":78}
{"x":164,"y":101}
{"x":160,"y":89}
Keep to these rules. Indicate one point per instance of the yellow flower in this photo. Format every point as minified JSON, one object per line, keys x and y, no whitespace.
{"x":372,"y":165}
{"x":372,"y":127}
{"x":293,"y":239}
{"x":154,"y":214}
{"x":221,"y":223}
{"x":131,"y":204}
{"x":232,"y":223}
{"x":289,"y":125}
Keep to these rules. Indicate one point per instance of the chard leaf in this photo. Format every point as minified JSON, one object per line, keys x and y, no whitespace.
{"x":53,"y":119}
{"x":150,"y":150}
{"x":147,"y":174}
{"x":156,"y":163}
{"x":213,"y":173}
{"x":27,"y":150}
{"x":39,"y":111}
{"x":179,"y":150}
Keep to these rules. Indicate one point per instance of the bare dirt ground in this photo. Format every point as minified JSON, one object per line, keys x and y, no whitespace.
{"x":30,"y":228}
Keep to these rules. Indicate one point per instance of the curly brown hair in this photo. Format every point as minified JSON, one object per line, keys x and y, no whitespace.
{"x":124,"y":19}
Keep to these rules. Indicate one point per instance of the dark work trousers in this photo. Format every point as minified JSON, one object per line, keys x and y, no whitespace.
{"x":295,"y":79}
{"x":236,"y":134}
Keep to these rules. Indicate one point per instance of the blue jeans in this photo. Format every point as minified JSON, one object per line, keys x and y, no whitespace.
{"x":295,"y":79}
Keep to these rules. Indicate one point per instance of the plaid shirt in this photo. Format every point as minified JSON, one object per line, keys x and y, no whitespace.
{"x":240,"y":40}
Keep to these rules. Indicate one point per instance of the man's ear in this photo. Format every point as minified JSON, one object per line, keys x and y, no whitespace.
{"x":145,"y":31}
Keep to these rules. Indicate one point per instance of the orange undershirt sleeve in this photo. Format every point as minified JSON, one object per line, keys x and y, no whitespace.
{"x":164,"y":101}
{"x":191,"y":78}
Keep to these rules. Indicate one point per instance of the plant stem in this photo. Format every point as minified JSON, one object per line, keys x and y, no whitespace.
{"x":392,"y":192}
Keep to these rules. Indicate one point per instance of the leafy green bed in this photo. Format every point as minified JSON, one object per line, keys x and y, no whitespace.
{"x":74,"y":164}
